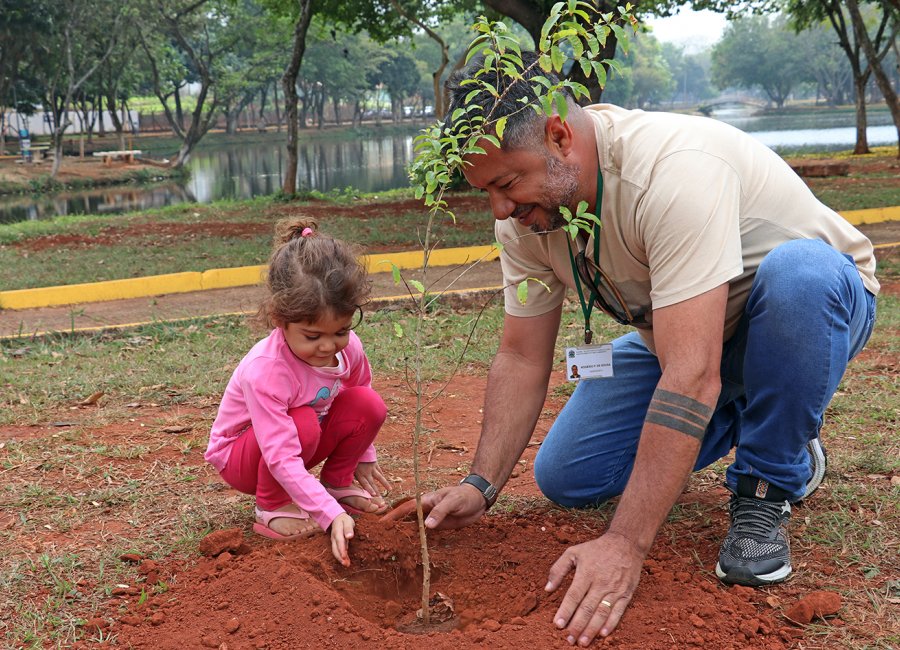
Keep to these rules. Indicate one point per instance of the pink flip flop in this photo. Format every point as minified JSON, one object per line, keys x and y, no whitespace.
{"x":263,"y":517}
{"x":350,"y":491}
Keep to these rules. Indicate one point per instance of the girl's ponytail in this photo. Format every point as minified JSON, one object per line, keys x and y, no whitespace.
{"x":311,"y":273}
{"x":288,"y":229}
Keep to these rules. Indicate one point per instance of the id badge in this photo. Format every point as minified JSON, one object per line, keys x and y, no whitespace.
{"x":589,"y":362}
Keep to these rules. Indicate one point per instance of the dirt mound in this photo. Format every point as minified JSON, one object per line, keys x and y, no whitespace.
{"x":288,"y":595}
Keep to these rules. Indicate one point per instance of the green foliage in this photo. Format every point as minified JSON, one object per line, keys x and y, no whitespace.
{"x":762,"y":52}
{"x":571,"y":32}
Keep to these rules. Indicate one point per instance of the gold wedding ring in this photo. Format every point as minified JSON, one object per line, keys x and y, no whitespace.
{"x":607,"y":603}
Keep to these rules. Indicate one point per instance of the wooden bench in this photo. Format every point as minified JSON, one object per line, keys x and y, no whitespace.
{"x":109,"y":156}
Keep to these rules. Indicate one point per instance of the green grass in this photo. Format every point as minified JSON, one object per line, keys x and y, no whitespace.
{"x":870,"y":193}
{"x":137,"y":254}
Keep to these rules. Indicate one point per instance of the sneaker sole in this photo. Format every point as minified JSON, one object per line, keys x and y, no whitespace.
{"x":743,"y":576}
{"x":819,"y":461}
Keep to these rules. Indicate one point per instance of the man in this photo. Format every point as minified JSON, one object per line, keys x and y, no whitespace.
{"x":749,"y":297}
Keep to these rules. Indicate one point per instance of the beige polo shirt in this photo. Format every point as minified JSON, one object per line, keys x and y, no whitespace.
{"x":688,"y":204}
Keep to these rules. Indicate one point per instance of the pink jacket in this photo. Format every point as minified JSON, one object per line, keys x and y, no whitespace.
{"x":268,"y":382}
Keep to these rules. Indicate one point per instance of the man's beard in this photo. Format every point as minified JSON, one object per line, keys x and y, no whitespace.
{"x":558,"y":191}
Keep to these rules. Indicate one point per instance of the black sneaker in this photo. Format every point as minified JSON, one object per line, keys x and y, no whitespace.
{"x":756,"y":551}
{"x":818,"y":460}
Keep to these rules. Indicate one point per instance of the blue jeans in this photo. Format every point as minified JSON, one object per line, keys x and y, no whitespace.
{"x":807,"y":315}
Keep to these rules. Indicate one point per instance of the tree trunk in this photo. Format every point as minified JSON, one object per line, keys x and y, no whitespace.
{"x":445,"y":57}
{"x":179,"y":111}
{"x":336,"y":102}
{"x":101,"y":124}
{"x":862,"y":139}
{"x":263,"y":97}
{"x":231,"y":121}
{"x":881,"y":78}
{"x":277,"y":107}
{"x":114,"y":118}
{"x":289,"y":87}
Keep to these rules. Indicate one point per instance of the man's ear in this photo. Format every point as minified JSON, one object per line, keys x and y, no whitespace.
{"x":559,"y":135}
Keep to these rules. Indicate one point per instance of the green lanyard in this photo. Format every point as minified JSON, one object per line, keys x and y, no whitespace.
{"x":588,"y":307}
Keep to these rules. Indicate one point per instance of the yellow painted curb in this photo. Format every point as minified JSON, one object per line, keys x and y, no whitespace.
{"x":74,"y":294}
{"x":242,"y":276}
{"x":872,"y":215}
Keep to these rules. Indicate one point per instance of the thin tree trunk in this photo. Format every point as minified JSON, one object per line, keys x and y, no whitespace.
{"x":179,"y":111}
{"x":277,"y":107}
{"x":874,"y":59}
{"x":862,"y":139}
{"x":289,"y":87}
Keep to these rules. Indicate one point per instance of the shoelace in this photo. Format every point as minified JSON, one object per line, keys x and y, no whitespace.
{"x":756,"y":517}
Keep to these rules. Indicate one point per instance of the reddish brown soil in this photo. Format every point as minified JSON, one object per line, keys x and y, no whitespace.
{"x":265,"y":594}
{"x":282,"y":595}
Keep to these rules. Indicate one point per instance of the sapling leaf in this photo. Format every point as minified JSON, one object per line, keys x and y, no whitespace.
{"x":498,"y":245}
{"x":500,"y":126}
{"x":557,"y":58}
{"x":395,"y":271}
{"x":418,"y":286}
{"x":398,"y":330}
{"x":522,"y":291}
{"x":562,"y":107}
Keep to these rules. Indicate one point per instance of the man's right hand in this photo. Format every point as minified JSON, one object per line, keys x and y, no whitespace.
{"x":453,"y":507}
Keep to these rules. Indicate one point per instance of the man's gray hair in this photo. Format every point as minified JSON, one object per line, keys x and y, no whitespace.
{"x":524,"y":125}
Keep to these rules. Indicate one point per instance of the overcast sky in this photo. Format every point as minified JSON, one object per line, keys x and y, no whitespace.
{"x":694,"y":30}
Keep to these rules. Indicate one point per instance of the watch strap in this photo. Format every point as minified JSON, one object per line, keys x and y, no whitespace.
{"x":488,"y":491}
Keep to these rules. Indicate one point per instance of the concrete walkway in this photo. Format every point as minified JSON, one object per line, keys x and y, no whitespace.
{"x":483,"y":278}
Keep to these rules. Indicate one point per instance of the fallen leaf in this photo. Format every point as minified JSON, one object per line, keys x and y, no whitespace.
{"x":93,"y":399}
{"x":895,"y":480}
{"x":177,"y":428}
{"x":773,"y":601}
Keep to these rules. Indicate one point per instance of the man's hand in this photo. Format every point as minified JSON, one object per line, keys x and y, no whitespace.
{"x":453,"y":507}
{"x":341,"y":534}
{"x":607,"y":571}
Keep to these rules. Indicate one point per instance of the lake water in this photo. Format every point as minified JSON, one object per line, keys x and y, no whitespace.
{"x":374,"y":164}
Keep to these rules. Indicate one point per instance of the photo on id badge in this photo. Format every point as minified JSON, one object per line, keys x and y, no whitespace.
{"x":589,"y":362}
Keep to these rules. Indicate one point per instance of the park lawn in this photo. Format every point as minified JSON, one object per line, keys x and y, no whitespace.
{"x":190,"y":237}
{"x":133,"y":459}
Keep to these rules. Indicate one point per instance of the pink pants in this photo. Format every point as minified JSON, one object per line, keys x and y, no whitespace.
{"x":353,"y":421}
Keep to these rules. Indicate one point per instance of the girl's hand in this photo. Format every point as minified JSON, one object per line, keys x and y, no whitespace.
{"x":369,"y":476}
{"x":341,"y":534}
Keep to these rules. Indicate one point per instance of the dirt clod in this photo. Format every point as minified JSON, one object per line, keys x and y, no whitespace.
{"x":220,"y":541}
{"x":818,"y":604}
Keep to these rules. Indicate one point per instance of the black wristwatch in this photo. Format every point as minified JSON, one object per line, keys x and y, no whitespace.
{"x":488,"y":491}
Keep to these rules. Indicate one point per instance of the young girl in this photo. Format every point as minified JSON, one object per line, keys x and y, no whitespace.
{"x":303,"y":395}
